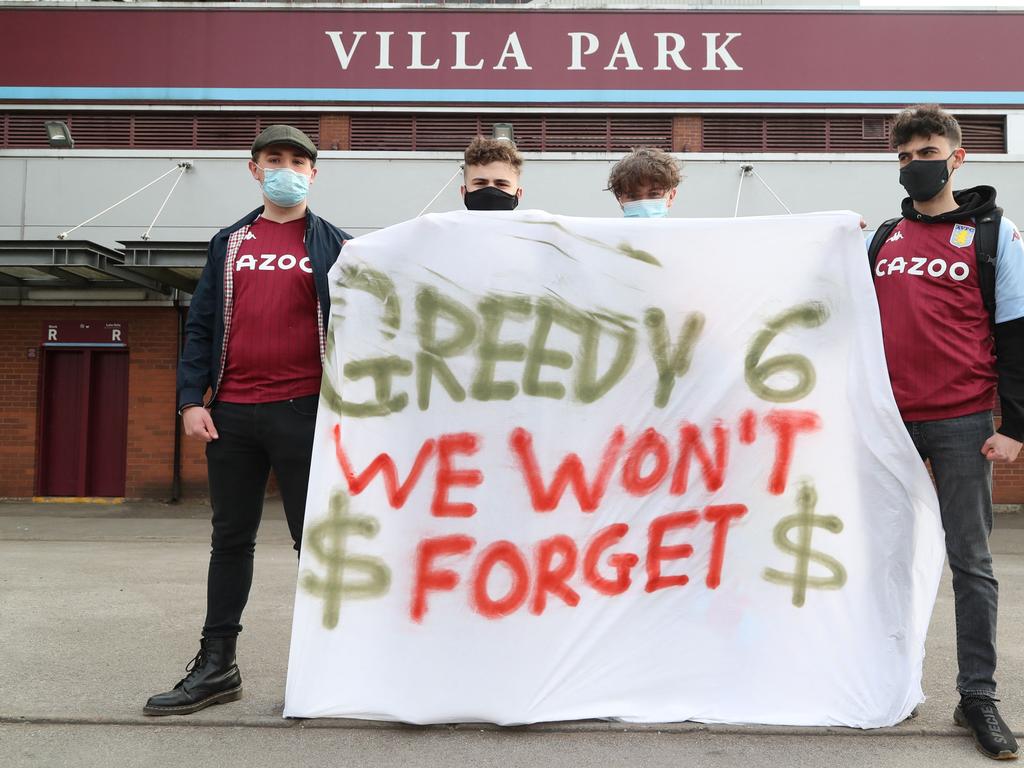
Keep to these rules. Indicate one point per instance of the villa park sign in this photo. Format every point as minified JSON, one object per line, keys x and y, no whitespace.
{"x":610,"y":57}
{"x":584,"y":49}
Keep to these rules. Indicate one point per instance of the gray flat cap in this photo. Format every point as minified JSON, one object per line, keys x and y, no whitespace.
{"x":285,"y":134}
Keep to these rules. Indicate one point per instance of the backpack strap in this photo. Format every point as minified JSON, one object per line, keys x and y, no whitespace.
{"x":986,"y":246}
{"x":878,"y":240}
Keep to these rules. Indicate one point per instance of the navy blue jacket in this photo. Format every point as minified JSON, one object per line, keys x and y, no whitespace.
{"x":199,"y":367}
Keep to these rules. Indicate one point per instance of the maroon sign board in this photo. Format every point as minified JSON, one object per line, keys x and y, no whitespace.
{"x":91,"y":333}
{"x":344,"y":57}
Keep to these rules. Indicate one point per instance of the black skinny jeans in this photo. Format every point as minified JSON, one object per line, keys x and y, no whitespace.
{"x":252,"y":439}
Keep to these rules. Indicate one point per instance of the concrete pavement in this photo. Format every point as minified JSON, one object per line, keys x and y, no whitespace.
{"x":100,"y":606}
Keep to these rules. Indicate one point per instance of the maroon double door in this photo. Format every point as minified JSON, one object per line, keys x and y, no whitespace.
{"x":83,"y":421}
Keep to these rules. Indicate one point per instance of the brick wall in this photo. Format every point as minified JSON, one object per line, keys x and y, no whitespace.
{"x":335,"y":132}
{"x":1008,"y":480}
{"x":19,"y":375}
{"x":687,"y":133}
{"x":152,"y":335}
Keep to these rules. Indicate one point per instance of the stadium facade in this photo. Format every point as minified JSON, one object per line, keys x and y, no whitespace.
{"x":770,"y":107}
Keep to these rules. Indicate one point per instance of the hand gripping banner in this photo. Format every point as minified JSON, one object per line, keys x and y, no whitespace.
{"x":591,"y":468}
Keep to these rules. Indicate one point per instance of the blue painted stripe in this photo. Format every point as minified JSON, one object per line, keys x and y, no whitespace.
{"x":546,"y":96}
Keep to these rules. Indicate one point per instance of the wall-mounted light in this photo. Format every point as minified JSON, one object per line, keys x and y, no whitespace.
{"x":59,"y":135}
{"x":504,"y":132}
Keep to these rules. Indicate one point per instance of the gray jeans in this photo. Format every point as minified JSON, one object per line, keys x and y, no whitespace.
{"x":963,"y":479}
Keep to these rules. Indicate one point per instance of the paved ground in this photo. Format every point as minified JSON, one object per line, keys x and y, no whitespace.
{"x":96,"y":606}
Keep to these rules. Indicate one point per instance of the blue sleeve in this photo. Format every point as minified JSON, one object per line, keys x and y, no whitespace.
{"x":1009,"y":273}
{"x":196,"y":357}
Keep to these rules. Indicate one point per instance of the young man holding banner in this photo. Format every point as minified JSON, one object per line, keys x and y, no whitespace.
{"x":491,"y":170}
{"x":255,"y":338}
{"x":644,"y":183}
{"x":953,"y":328}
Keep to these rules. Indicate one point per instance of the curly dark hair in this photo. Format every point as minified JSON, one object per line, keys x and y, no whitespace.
{"x":644,"y":166}
{"x":925,"y":120}
{"x":484,"y":151}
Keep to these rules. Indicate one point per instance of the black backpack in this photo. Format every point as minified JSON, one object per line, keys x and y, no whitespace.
{"x":986,"y":246}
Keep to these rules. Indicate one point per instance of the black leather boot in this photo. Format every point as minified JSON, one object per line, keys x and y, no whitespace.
{"x":212,"y":678}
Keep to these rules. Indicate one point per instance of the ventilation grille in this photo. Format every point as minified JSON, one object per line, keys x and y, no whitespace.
{"x":838,"y":133}
{"x":150,"y":130}
{"x":385,"y":132}
{"x":556,"y":133}
{"x":984,"y":133}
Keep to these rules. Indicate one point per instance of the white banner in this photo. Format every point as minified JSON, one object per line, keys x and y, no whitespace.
{"x":593,"y":468}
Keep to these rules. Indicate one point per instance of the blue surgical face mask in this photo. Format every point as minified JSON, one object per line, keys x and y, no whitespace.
{"x":646,"y":209}
{"x":285,"y":187}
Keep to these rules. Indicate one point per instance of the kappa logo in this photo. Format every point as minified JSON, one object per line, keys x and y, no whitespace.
{"x":271,"y":262}
{"x":897,"y":235}
{"x":962,"y":235}
{"x":250,"y":236}
{"x":1016,"y":235}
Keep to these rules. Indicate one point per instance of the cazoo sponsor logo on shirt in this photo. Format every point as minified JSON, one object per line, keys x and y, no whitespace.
{"x":270,"y":262}
{"x":922,"y":267}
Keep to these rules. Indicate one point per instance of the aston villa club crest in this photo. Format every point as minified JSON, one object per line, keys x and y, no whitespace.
{"x":962,"y":235}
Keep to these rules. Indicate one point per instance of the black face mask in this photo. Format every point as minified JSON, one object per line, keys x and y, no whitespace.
{"x":490,"y":199}
{"x":924,"y":179}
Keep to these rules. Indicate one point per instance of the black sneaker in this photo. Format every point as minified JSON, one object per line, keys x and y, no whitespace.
{"x":991,"y":735}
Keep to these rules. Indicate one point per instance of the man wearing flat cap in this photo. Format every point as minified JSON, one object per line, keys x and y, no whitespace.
{"x":248,"y":387}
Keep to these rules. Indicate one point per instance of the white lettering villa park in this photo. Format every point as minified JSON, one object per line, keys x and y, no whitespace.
{"x":665,"y":50}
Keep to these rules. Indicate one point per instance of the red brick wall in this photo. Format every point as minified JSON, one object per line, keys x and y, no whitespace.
{"x":1008,"y":480}
{"x":687,"y":133}
{"x":19,"y":375}
{"x":1008,"y":483}
{"x":152,"y":335}
{"x":335,"y":132}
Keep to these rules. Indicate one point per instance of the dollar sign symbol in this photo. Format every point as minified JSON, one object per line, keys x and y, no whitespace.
{"x":805,"y":521}
{"x":326,"y":540}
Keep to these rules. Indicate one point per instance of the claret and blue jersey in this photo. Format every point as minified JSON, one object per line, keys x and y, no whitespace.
{"x":936,"y":330}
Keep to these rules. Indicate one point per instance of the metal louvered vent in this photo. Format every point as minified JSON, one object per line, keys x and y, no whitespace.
{"x":732,"y":133}
{"x":25,"y":130}
{"x":856,"y":133}
{"x":156,"y":130}
{"x":385,"y":132}
{"x":93,"y":131}
{"x":555,"y":133}
{"x":871,"y":127}
{"x":640,"y":131}
{"x":308,"y":123}
{"x":833,"y":133}
{"x":984,"y":133}
{"x":797,"y":134}
{"x":150,"y":130}
{"x":437,"y":132}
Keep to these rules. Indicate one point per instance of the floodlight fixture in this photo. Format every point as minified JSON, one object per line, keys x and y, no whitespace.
{"x":503,"y":132}
{"x":59,"y":135}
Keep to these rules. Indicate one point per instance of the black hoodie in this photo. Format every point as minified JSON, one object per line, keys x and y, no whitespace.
{"x":1009,"y":336}
{"x":972,"y":202}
